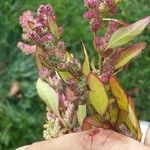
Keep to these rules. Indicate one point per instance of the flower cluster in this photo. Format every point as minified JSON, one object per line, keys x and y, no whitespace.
{"x":41,"y":37}
{"x":43,"y":32}
{"x":95,"y":12}
{"x":101,"y":42}
{"x":69,"y":114}
{"x":52,"y":126}
{"x":26,"y":48}
{"x":93,"y":15}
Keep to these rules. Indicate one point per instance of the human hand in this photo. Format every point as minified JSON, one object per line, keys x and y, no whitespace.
{"x":94,"y":139}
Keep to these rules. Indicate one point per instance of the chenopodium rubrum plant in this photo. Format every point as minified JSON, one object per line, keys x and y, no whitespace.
{"x":79,"y":96}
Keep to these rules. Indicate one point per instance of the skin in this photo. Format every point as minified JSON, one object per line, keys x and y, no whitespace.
{"x":94,"y":139}
{"x":147,"y":139}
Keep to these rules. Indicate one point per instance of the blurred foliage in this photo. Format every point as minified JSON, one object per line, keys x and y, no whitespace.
{"x":22,"y":117}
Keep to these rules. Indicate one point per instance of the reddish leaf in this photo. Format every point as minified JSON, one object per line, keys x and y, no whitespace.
{"x":118,"y":93}
{"x":127,"y":33}
{"x":95,"y":121}
{"x":90,"y":121}
{"x":127,"y":54}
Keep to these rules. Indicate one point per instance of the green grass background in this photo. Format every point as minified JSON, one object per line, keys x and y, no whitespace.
{"x":21,"y":119}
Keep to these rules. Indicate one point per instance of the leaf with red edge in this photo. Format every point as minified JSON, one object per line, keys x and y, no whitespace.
{"x":95,"y":121}
{"x":128,"y":53}
{"x":90,"y":121}
{"x":127,"y":33}
{"x":118,"y":93}
{"x":97,"y":95}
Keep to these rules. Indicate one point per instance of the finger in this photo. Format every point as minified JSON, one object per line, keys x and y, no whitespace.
{"x":147,"y":140}
{"x":94,"y":139}
{"x":74,"y":141}
{"x":23,"y":147}
{"x":91,"y":139}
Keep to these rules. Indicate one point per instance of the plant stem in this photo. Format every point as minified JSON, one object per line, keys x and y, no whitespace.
{"x":100,"y":63}
{"x":115,"y":20}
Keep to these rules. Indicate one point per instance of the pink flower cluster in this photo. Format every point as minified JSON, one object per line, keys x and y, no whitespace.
{"x":69,"y":114}
{"x":27,"y":49}
{"x":91,"y":3}
{"x":107,"y":70}
{"x":24,"y":20}
{"x":45,"y":11}
{"x":101,"y":42}
{"x":112,"y":6}
{"x":44,"y":73}
{"x":94,"y":12}
{"x":38,"y":32}
{"x":95,"y":15}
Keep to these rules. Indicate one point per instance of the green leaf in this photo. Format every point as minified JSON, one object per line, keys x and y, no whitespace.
{"x":97,"y":95}
{"x":93,"y":62}
{"x":65,"y":75}
{"x":133,"y":118}
{"x":81,"y":113}
{"x":127,"y":129}
{"x":48,"y":95}
{"x":119,"y":94}
{"x":53,"y":27}
{"x":86,"y":65}
{"x":127,"y":33}
{"x":129,"y":120}
{"x":113,"y":112}
{"x":129,"y":53}
{"x":69,"y":55}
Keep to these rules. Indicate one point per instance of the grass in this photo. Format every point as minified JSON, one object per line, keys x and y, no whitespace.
{"x":21,"y":119}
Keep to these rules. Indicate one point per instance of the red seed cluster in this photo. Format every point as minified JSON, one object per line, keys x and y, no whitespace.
{"x":94,"y":14}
